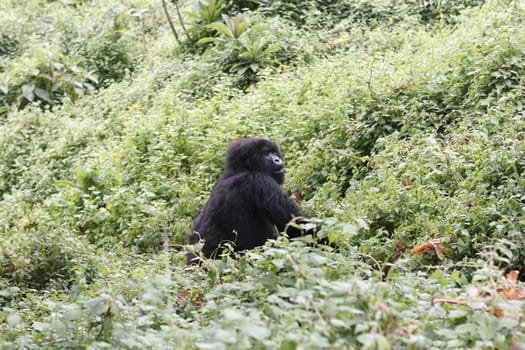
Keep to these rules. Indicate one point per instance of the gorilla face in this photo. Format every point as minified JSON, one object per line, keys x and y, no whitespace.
{"x":274,"y":166}
{"x":255,"y":155}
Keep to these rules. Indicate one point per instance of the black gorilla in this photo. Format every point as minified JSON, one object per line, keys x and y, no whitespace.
{"x":247,"y":205}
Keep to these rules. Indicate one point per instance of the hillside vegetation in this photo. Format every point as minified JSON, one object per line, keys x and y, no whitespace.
{"x":402,"y":124}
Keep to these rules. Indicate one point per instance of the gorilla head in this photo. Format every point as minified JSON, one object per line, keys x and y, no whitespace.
{"x":255,"y":155}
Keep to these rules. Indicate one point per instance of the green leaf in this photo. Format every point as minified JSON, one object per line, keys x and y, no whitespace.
{"x":208,"y":40}
{"x":232,"y":314}
{"x":289,"y":345}
{"x":221,"y":28}
{"x":271,"y":49}
{"x":279,"y":263}
{"x":41,"y":326}
{"x":373,"y":341}
{"x":27,"y":91}
{"x":97,"y":306}
{"x":467,"y":328}
{"x":255,"y":331}
{"x":13,"y":320}
{"x":60,"y":328}
{"x":239,"y":26}
{"x":72,"y":312}
{"x":43,"y":94}
{"x":457,"y":314}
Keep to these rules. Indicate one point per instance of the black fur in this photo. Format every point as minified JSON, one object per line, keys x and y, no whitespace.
{"x":247,"y":205}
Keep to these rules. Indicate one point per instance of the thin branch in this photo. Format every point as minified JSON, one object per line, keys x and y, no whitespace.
{"x":170,"y":21}
{"x":176,"y":2}
{"x":144,"y":42}
{"x":370,"y":77}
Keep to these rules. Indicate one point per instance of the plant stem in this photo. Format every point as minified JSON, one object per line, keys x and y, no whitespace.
{"x":176,"y":2}
{"x":170,"y":21}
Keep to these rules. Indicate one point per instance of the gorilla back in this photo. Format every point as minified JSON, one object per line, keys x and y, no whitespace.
{"x":247,"y":205}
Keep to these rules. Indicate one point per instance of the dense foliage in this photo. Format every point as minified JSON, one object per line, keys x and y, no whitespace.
{"x":402,"y":124}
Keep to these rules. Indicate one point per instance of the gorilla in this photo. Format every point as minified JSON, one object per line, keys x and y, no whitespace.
{"x":247,"y":205}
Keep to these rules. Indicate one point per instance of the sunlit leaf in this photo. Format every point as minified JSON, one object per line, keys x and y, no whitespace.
{"x":97,"y":306}
{"x":13,"y":320}
{"x":28,"y":91}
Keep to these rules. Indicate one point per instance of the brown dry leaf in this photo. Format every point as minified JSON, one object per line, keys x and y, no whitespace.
{"x":441,"y":250}
{"x":410,"y":329}
{"x":399,"y":250}
{"x":446,"y":300}
{"x":512,"y":277}
{"x":407,"y":182}
{"x":512,"y":292}
{"x":422,"y":249}
{"x":438,"y":244}
{"x":384,"y":308}
{"x":197,"y":302}
{"x":184,"y":298}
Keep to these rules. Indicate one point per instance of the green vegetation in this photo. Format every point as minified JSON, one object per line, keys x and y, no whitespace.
{"x":403,"y":127}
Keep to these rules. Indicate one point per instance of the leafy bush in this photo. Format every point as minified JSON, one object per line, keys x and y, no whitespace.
{"x":288,"y":296}
{"x":109,"y":218}
{"x":453,"y":179}
{"x":35,"y":152}
{"x":35,"y":262}
{"x":104,"y":47}
{"x":202,"y":15}
{"x":370,"y":13}
{"x":44,"y":77}
{"x":235,"y":44}
{"x":79,"y":55}
{"x":241,"y":48}
{"x":8,"y":45}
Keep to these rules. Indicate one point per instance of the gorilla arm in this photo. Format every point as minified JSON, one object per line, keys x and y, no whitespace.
{"x":279,"y":208}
